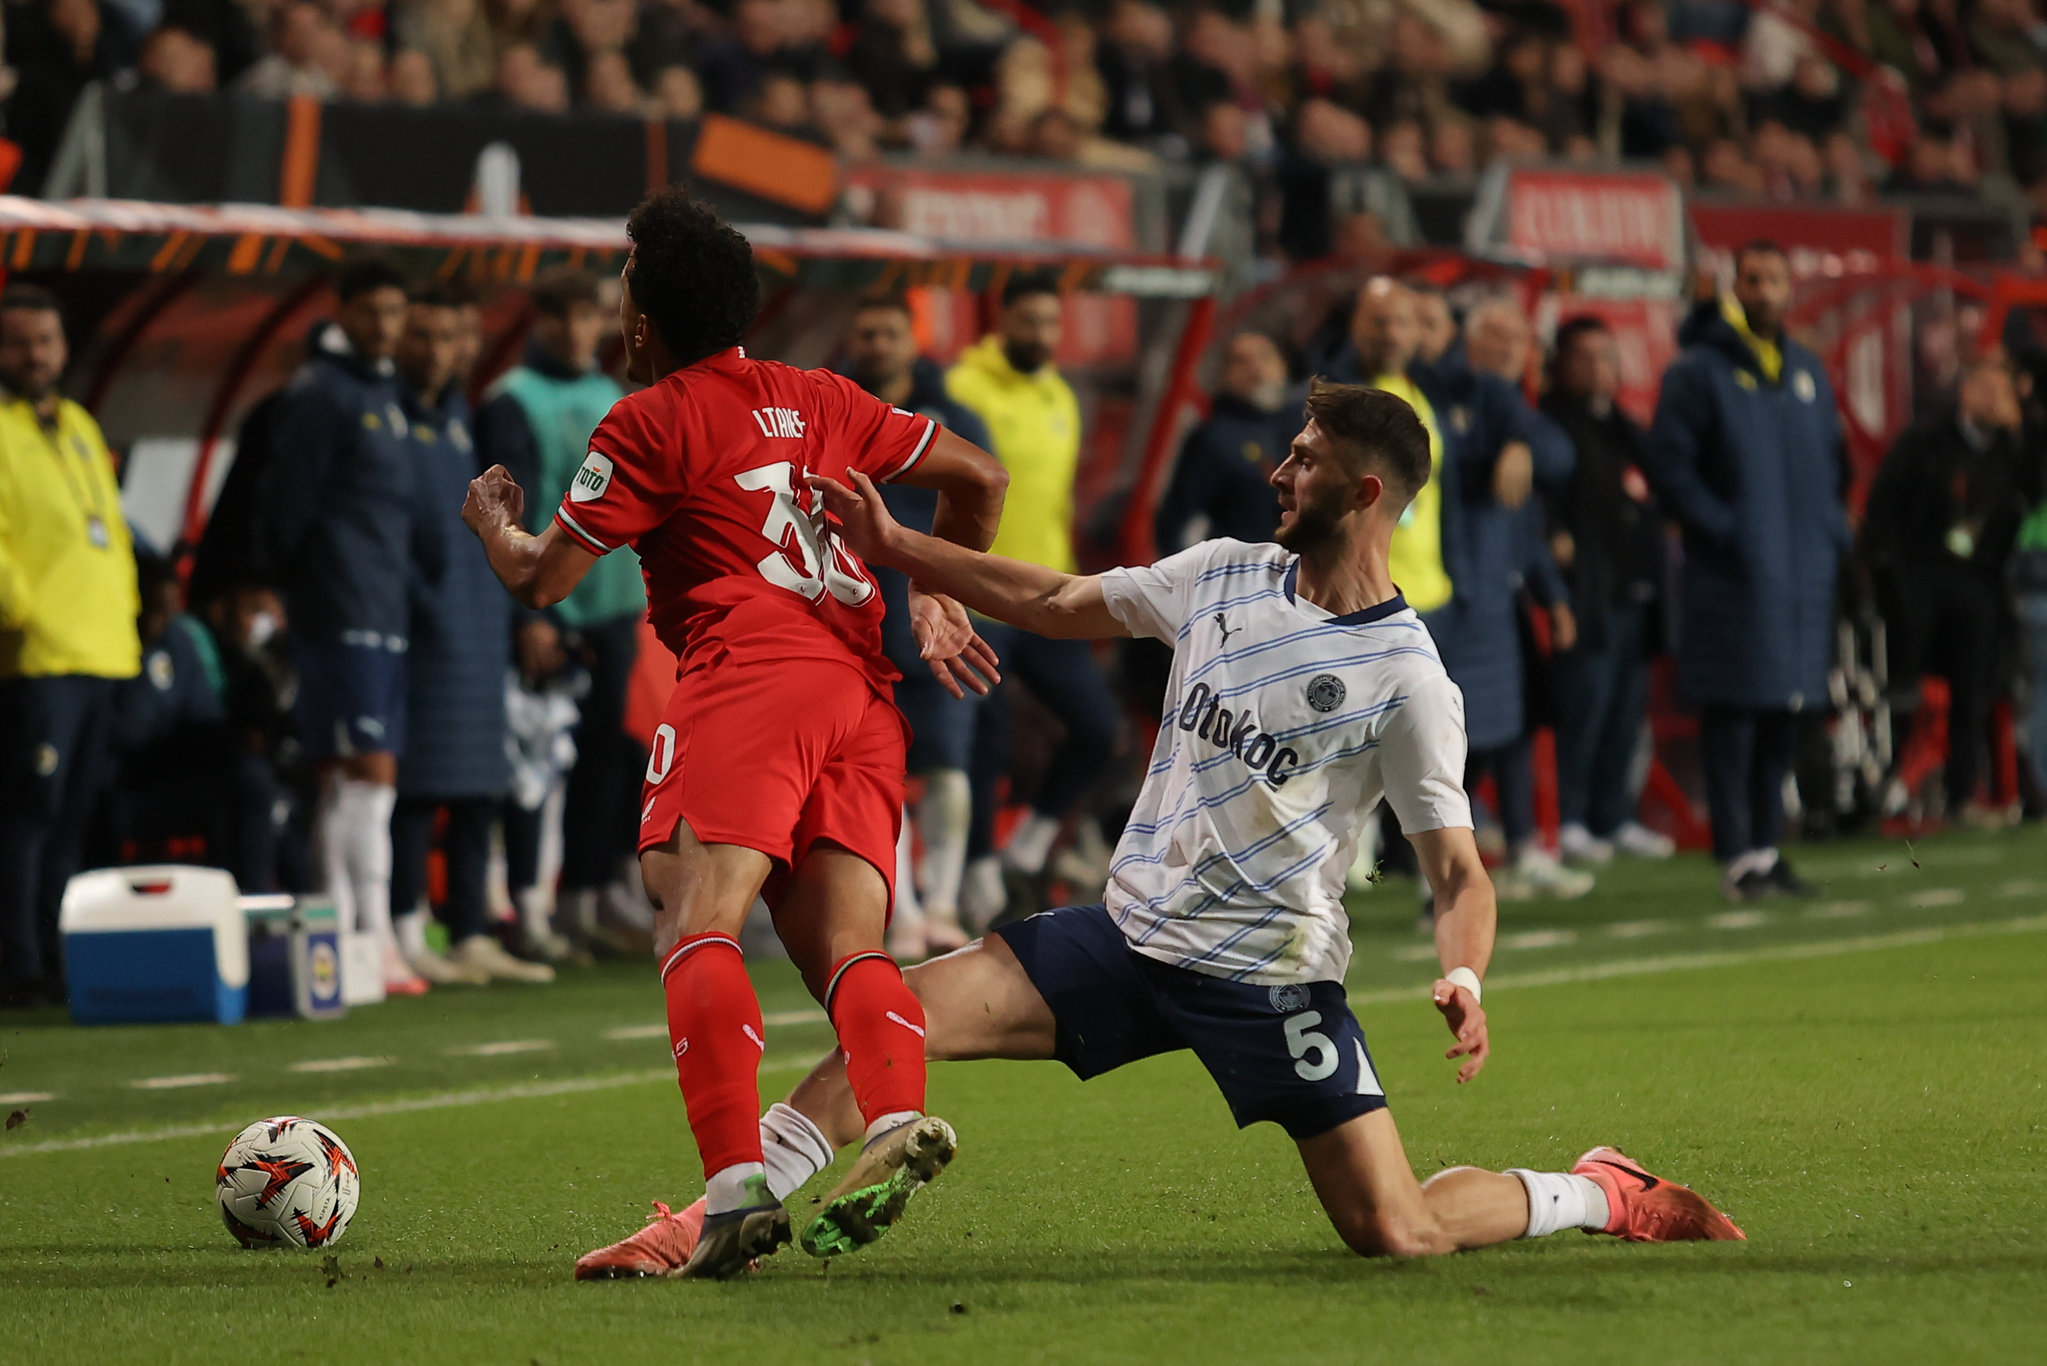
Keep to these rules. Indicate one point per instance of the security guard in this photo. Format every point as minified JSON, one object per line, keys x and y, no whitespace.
{"x":68,"y":605}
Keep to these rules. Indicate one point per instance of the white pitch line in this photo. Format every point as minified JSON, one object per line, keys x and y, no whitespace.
{"x":2023,"y":887}
{"x":340,"y":1064}
{"x":1738,"y":920}
{"x":1938,"y":896}
{"x":1836,"y":910}
{"x":1538,"y":939}
{"x":793,"y":1017}
{"x":1637,"y":929}
{"x":502,"y":1048}
{"x":178,"y":1083}
{"x":1414,"y":953}
{"x":26,"y":1097}
{"x":777,"y":1020}
{"x":440,"y":1100}
{"x":1591,"y":972}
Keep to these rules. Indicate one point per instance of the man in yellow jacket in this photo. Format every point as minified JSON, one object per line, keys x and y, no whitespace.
{"x":68,"y":605}
{"x":1009,"y":382}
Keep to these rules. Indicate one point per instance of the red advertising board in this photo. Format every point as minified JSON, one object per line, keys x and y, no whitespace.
{"x":1821,"y":241}
{"x":1000,"y":206}
{"x":1546,"y":216}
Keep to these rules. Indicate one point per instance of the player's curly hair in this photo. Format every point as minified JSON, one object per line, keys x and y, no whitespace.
{"x":691,"y":274}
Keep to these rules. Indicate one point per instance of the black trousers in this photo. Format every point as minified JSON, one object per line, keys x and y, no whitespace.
{"x":1945,"y":620}
{"x":466,"y":843}
{"x":1063,"y":676}
{"x":599,"y":817}
{"x":55,"y":735}
{"x":1746,"y":755}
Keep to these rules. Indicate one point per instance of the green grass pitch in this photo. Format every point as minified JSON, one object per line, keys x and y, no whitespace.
{"x":1858,"y":1081}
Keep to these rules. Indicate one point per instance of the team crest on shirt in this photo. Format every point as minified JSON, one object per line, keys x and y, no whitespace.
{"x":1289,"y":997}
{"x":1802,"y":385}
{"x":592,"y":480}
{"x":161,"y":671}
{"x":1326,"y":692}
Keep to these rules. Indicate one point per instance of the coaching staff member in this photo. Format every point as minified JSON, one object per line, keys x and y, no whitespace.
{"x":1745,"y":454}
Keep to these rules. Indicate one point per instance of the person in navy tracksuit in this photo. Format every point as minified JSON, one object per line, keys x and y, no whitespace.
{"x":1223,"y":475}
{"x":1745,"y":454}
{"x":338,"y":528}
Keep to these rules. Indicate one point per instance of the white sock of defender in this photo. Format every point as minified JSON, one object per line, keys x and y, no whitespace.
{"x":1559,"y":1200}
{"x":908,"y":906}
{"x":942,"y":821}
{"x":1031,"y":844}
{"x":331,"y":835}
{"x":726,"y":1190}
{"x":370,"y":855}
{"x":411,"y":928}
{"x":894,"y":1119}
{"x":793,"y":1148}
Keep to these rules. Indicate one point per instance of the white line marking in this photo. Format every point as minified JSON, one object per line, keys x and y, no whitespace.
{"x":442,"y":1100}
{"x":502,"y":1048}
{"x":1538,"y":939}
{"x":627,"y":1032}
{"x":778,"y":1020}
{"x":180,"y":1082}
{"x":794,"y":1017}
{"x":1738,"y":920}
{"x":1836,"y":910}
{"x":1591,"y":972}
{"x":340,"y":1064}
{"x":1938,"y":896}
{"x":1414,"y":953}
{"x":2023,"y":887}
{"x":1637,"y":929}
{"x":26,"y":1097}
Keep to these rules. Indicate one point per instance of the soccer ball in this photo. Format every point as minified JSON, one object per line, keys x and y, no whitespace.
{"x":287,"y":1182}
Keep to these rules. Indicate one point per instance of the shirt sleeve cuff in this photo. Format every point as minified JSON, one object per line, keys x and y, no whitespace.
{"x":923,"y":446}
{"x":578,"y":534}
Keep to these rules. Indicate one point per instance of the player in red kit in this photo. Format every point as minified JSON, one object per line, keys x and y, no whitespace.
{"x":777,"y":769}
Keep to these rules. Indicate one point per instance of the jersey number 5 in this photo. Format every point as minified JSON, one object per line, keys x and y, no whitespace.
{"x":808,"y":560}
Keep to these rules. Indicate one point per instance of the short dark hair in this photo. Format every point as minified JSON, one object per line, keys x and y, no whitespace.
{"x":557,"y":291}
{"x":1377,"y":426}
{"x":1755,"y":246}
{"x":894,"y":300}
{"x":692,"y":275}
{"x":365,"y":274}
{"x":1576,"y":326}
{"x":28,"y":299}
{"x":1024,"y":283}
{"x":443,"y":294}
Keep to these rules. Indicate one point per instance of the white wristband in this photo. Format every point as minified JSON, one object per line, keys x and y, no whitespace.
{"x":1466,"y":978}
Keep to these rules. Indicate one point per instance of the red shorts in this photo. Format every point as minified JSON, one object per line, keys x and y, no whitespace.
{"x":777,"y":756}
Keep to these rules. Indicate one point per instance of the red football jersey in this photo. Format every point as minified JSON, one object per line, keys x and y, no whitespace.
{"x":703,"y":475}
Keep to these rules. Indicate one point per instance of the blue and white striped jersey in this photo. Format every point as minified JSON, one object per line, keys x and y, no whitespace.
{"x":1284,"y":728}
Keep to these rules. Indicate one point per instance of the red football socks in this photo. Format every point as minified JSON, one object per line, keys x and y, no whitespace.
{"x":714,"y":1025}
{"x":881,"y":1032}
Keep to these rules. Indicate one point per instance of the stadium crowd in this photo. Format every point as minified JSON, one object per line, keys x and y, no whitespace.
{"x":339,"y":687}
{"x":1830,"y":99}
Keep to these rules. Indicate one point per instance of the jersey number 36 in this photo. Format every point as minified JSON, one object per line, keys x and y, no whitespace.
{"x":807,"y":560}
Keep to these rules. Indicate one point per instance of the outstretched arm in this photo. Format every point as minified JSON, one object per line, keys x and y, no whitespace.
{"x":1040,"y":600}
{"x":1466,"y":916}
{"x":538,"y":570}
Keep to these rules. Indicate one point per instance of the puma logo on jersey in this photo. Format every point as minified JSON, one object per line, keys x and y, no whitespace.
{"x":914,"y":1029}
{"x":1222,"y":624}
{"x":778,"y":421}
{"x":757,"y":1042}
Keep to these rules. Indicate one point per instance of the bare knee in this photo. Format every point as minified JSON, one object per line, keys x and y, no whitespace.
{"x":1380,"y":1233}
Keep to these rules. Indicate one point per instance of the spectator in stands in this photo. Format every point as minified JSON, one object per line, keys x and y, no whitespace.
{"x":1745,"y":455}
{"x":455,"y":39}
{"x":1220,"y":485}
{"x":1010,"y":381}
{"x":1497,"y":452}
{"x":537,"y":424}
{"x":56,"y":49}
{"x":303,"y":58}
{"x":881,"y":356}
{"x":68,"y":606}
{"x":1937,"y":531}
{"x":337,"y":515}
{"x":177,"y":63}
{"x":1607,"y":539}
{"x":455,"y":760}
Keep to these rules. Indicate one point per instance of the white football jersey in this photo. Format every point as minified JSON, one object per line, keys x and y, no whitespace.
{"x":1284,"y":727}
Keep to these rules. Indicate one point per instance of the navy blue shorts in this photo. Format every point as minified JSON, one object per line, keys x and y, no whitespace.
{"x":351,"y":697}
{"x":1293,"y":1054}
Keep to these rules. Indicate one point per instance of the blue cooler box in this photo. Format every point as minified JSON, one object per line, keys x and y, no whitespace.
{"x":155,"y":944}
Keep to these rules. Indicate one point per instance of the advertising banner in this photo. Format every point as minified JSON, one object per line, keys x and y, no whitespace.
{"x":1820,"y":240}
{"x":1547,"y":216}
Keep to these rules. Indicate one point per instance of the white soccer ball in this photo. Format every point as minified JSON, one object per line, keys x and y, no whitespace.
{"x":287,"y":1182}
